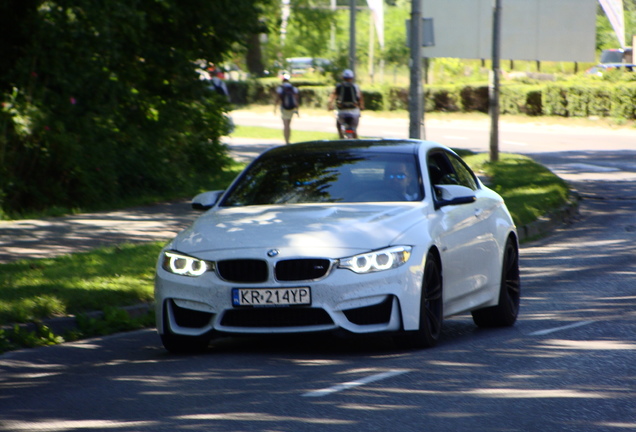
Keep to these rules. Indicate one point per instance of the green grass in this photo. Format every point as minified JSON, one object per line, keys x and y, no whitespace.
{"x":277,"y":133}
{"x":109,"y":278}
{"x":104,"y":279}
{"x":529,"y":189}
{"x":77,"y":283}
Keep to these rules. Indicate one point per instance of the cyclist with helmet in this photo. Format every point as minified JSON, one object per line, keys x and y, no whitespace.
{"x":349,"y":101}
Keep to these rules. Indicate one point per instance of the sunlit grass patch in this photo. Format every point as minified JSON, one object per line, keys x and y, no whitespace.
{"x":529,"y":189}
{"x":276,"y":133}
{"x":77,"y":283}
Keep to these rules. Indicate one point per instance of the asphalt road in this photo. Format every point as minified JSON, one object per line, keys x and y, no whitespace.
{"x":568,"y":364}
{"x":529,"y":137}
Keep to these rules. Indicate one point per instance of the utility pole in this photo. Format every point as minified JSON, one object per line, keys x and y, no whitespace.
{"x":493,"y":88}
{"x":416,"y":113}
{"x":352,"y":35}
{"x":332,"y":42}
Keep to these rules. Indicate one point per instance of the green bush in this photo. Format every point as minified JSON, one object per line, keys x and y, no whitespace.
{"x":520,"y":99}
{"x":623,"y":101}
{"x":101,"y":103}
{"x":554,"y":100}
{"x":444,"y":98}
{"x":397,"y":98}
{"x":240,"y":93}
{"x":534,"y":106}
{"x":314,"y":97}
{"x":474,"y":98}
{"x":373,"y":100}
{"x":96,"y":159}
{"x":601,"y":99}
{"x":582,"y":98}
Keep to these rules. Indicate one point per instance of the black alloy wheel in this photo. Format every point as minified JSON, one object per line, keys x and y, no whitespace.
{"x":431,"y":309}
{"x":506,"y":312}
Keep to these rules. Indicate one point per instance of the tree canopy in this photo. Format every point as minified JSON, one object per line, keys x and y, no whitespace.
{"x":311,"y":22}
{"x":101,"y":99}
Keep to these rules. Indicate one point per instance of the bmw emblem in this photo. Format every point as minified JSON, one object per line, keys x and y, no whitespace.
{"x":272,"y":253}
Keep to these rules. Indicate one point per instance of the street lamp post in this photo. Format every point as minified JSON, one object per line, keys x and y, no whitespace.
{"x":352,"y":35}
{"x":415,"y":89}
{"x":493,"y":88}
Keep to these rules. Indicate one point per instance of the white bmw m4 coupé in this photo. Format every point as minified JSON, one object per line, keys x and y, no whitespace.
{"x":359,"y":237}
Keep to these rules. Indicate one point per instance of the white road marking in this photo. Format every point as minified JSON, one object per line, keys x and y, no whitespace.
{"x":556,"y":329}
{"x":589,"y":167}
{"x":454,"y":137}
{"x":356,"y":383}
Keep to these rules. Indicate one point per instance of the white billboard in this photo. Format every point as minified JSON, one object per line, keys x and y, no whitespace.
{"x":545,"y":30}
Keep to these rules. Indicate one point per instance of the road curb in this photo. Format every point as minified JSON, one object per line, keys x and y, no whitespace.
{"x":63,"y":325}
{"x":546,"y":224}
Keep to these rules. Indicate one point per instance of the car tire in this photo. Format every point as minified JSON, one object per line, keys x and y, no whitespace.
{"x":505,"y":313}
{"x":431,"y":309}
{"x":178,"y":344}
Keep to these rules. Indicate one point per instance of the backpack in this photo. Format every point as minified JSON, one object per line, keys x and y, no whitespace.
{"x":288,"y":99}
{"x":347,"y":96}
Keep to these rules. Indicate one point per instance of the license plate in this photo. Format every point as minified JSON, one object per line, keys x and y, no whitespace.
{"x":271,"y":296}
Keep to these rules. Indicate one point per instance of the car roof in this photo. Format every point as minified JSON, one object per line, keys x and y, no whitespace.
{"x":409,"y":146}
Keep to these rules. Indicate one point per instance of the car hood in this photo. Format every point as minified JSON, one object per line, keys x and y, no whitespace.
{"x":301,"y":229}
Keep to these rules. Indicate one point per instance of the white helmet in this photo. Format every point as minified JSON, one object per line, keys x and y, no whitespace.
{"x":348,"y":73}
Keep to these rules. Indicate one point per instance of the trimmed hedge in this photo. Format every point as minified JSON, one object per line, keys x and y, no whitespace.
{"x":444,"y":98}
{"x":520,"y":99}
{"x":600,"y":99}
{"x":623,"y":102}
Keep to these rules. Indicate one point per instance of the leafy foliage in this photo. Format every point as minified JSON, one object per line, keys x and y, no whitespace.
{"x":605,"y":36}
{"x":112,"y":320}
{"x":101,"y":100}
{"x":77,"y":283}
{"x":309,"y":30}
{"x":16,"y":337}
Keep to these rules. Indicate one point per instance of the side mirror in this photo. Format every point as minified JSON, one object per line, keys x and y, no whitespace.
{"x":206,"y":200}
{"x":453,"y":195}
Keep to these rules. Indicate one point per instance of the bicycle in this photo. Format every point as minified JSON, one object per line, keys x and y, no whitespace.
{"x":347,"y":129}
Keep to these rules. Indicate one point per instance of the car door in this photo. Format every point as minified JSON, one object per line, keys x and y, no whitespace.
{"x":463,"y":234}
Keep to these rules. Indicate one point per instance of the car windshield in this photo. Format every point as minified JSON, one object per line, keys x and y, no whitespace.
{"x":612,"y":56}
{"x":327,"y":177}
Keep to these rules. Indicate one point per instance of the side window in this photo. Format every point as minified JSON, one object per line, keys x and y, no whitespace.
{"x":463,"y":174}
{"x":447,"y":169}
{"x":440,"y":170}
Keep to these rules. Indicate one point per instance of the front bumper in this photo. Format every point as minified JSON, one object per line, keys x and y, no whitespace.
{"x":357,"y":303}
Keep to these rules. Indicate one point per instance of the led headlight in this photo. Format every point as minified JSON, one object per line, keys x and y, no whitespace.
{"x":379,"y":260}
{"x":185,"y":265}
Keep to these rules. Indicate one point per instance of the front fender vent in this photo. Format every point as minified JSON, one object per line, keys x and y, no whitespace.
{"x":190,"y":318}
{"x":375,"y":314}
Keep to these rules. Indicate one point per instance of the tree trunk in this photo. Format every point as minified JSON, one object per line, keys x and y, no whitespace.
{"x":254,"y":57}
